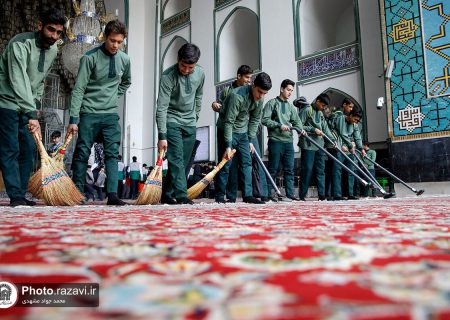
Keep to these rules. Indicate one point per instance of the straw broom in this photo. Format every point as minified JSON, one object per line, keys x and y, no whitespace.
{"x":2,"y":184}
{"x":152,"y":191}
{"x":35,"y":183}
{"x":57,"y":187}
{"x":196,"y":189}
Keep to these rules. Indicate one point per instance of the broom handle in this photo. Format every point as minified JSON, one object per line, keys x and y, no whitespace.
{"x":41,"y":148}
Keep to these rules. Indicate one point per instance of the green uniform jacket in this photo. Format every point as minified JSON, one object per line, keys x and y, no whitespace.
{"x":372,"y":155}
{"x":179,"y":98}
{"x":346,"y":132}
{"x":277,"y":113}
{"x":226,"y":92}
{"x":313,"y":119}
{"x":101,"y":79}
{"x":240,"y":114}
{"x":24,"y":65}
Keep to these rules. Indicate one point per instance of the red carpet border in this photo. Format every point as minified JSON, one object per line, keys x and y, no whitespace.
{"x":369,"y":259}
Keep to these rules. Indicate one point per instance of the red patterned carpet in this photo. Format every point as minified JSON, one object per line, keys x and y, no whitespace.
{"x":367,"y":259}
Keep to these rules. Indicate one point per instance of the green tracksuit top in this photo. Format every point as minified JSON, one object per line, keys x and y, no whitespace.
{"x":179,"y":98}
{"x":240,"y":114}
{"x":372,"y":155}
{"x":101,"y":79}
{"x":227,"y":91}
{"x":277,"y":113}
{"x":313,"y":119}
{"x":24,"y":65}
{"x":346,"y":132}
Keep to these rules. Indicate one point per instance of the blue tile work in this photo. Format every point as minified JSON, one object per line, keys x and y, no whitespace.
{"x":414,"y":115}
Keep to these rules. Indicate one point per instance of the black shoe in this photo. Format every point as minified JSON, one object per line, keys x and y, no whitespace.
{"x":231,"y":201}
{"x":253,"y":200}
{"x":30,"y":202}
{"x":302,"y":199}
{"x":184,"y":201}
{"x":337,"y":199}
{"x":293,"y":198}
{"x":17,"y":202}
{"x":168,"y":200}
{"x":267,"y":199}
{"x":113,"y":200}
{"x":352,"y":198}
{"x":220,"y":200}
{"x":322,"y":198}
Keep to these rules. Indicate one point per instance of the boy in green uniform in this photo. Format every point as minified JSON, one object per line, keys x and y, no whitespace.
{"x":104,"y":75}
{"x":315,"y":124}
{"x":372,"y":155}
{"x":24,"y":65}
{"x":347,"y":131}
{"x":178,"y":108}
{"x":279,"y":116}
{"x":239,"y":120}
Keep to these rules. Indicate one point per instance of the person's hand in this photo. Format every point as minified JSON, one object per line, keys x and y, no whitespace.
{"x":363,"y":152}
{"x":303,"y":133}
{"x":72,"y":128}
{"x":227,"y":153}
{"x":285,"y":128}
{"x":34,"y":126}
{"x":252,"y":148}
{"x":162,"y":145}
{"x":216,"y":106}
{"x":344,"y":148}
{"x":318,"y":132}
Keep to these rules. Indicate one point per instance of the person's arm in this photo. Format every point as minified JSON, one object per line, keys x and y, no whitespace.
{"x":304,"y":117}
{"x":339,"y":126}
{"x":162,"y":105}
{"x":254,"y":120}
{"x":126,"y":80}
{"x":198,"y":97}
{"x":267,"y":115}
{"x":232,"y":103}
{"x":295,"y":119}
{"x":357,"y":137}
{"x":20,"y":81}
{"x":84,"y":74}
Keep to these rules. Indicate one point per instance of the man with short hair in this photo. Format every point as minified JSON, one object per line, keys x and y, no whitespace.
{"x":24,"y":65}
{"x":313,"y":159}
{"x":239,"y":120}
{"x":103,"y":76}
{"x":279,"y":116}
{"x":346,"y":131}
{"x":177,"y":111}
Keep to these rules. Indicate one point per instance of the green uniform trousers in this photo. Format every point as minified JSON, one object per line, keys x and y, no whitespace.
{"x":97,"y":127}
{"x":180,"y":143}
{"x":312,"y":160}
{"x":241,"y":144}
{"x":17,"y":152}
{"x":281,"y":152}
{"x":337,"y":175}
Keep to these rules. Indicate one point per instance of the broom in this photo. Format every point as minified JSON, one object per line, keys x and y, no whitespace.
{"x":35,"y":183}
{"x":2,"y":184}
{"x":152,"y":191}
{"x":196,"y":189}
{"x":57,"y":188}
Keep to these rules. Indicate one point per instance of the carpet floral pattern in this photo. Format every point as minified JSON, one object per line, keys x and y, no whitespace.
{"x":368,"y":259}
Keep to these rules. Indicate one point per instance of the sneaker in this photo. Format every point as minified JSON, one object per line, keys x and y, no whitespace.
{"x":267,"y":199}
{"x":337,"y":199}
{"x":113,"y":200}
{"x":293,"y":198}
{"x":231,"y":201}
{"x":322,"y":198}
{"x":352,"y":198}
{"x":253,"y":200}
{"x":185,"y":201}
{"x":30,"y":202}
{"x":17,"y":202}
{"x":168,"y":200}
{"x":221,"y":200}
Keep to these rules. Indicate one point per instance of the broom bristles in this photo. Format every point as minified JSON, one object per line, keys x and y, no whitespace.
{"x":194,"y":191}
{"x":152,"y":191}
{"x":35,"y":182}
{"x":57,"y":187}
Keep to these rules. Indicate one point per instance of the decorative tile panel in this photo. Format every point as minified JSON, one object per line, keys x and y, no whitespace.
{"x":328,"y":64}
{"x":175,"y":22}
{"x":223,"y":3}
{"x":413,"y":114}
